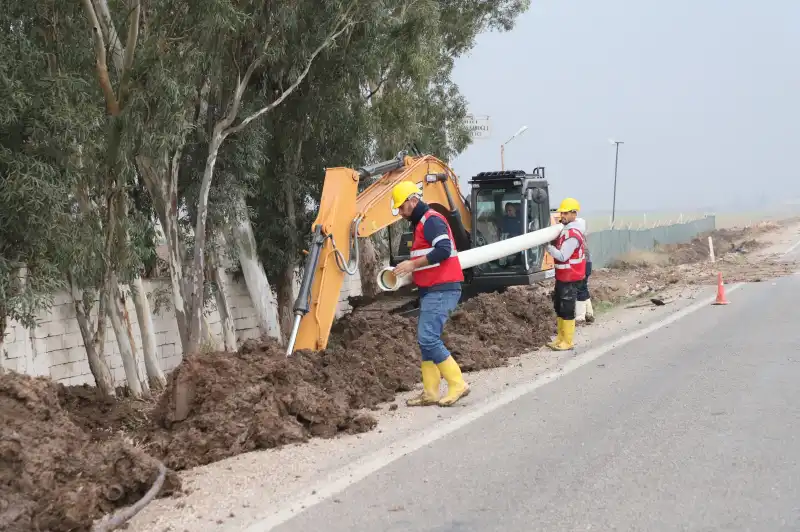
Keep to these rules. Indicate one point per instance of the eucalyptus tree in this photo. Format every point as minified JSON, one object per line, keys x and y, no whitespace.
{"x":65,"y":171}
{"x":198,"y":70}
{"x":34,"y":187}
{"x":388,"y":85}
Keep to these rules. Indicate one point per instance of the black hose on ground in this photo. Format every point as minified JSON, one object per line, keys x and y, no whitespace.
{"x":122,"y":516}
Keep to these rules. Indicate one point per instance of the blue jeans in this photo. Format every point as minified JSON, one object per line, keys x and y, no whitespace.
{"x":435,"y":307}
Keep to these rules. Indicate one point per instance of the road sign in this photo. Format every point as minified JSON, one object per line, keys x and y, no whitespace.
{"x":479,"y":126}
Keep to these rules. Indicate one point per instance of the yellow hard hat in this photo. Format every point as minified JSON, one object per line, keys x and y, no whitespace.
{"x":400,"y":194}
{"x":569,"y":205}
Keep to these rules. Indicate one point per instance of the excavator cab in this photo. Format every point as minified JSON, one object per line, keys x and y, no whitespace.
{"x":502,"y":204}
{"x":506,"y":204}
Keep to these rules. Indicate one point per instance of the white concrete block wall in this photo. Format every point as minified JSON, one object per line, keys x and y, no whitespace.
{"x":55,"y":347}
{"x":350,"y":287}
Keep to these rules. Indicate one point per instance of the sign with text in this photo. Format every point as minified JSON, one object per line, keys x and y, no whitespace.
{"x":479,"y":126}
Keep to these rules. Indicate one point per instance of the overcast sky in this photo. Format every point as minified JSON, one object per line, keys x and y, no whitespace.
{"x":704,"y":93}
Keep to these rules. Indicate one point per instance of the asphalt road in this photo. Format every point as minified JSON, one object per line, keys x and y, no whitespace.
{"x":694,"y":427}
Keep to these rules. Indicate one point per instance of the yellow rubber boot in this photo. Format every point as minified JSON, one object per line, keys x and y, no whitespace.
{"x":431,"y":377}
{"x":559,"y":337}
{"x":567,"y":340}
{"x":456,"y":386}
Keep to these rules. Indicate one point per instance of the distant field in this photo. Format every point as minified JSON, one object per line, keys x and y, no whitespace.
{"x":600,"y":222}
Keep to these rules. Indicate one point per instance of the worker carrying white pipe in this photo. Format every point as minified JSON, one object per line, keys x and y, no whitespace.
{"x":568,"y":254}
{"x":583,"y":303}
{"x":436,"y":270}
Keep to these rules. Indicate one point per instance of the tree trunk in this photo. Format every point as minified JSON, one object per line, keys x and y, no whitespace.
{"x":368,"y":267}
{"x":223,"y":305}
{"x":137,"y":391}
{"x":162,"y":183}
{"x":3,"y":327}
{"x":208,"y":338}
{"x":145,"y":318}
{"x":286,"y":282}
{"x":94,"y":344}
{"x":285,"y":294}
{"x":195,"y":287}
{"x":256,"y":280}
{"x":126,"y":320}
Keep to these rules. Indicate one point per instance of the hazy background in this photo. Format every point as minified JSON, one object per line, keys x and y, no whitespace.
{"x":704,"y":93}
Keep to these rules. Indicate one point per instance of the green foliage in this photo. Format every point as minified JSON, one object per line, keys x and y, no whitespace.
{"x":45,"y":114}
{"x":65,"y":164}
{"x":388,"y":85}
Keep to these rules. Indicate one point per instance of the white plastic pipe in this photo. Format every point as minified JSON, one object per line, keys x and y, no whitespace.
{"x":389,"y":282}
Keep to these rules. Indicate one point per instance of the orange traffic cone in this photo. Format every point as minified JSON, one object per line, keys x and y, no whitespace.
{"x":720,"y":291}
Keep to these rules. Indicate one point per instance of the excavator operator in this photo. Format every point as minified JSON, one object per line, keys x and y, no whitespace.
{"x":436,"y":270}
{"x":568,"y":252}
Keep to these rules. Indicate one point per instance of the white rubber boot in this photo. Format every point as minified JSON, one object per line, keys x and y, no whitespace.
{"x":589,"y":311}
{"x":580,"y":310}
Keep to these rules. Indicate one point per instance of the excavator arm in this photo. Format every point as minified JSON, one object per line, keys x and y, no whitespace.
{"x":344,"y":216}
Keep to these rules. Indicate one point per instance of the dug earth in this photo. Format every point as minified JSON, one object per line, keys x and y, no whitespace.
{"x":68,"y":458}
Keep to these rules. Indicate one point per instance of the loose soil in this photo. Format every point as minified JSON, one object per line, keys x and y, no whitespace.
{"x":67,"y":458}
{"x":218,"y":405}
{"x":66,"y":454}
{"x":646,"y":272}
{"x":53,"y":474}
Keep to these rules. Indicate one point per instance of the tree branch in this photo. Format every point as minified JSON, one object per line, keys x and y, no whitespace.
{"x":374,"y":90}
{"x":134,"y":12}
{"x":112,"y":106}
{"x":285,"y":94}
{"x":110,"y":33}
{"x":236,"y":101}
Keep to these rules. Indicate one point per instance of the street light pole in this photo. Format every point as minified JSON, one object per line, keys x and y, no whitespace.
{"x":616,"y":165}
{"x":503,"y":146}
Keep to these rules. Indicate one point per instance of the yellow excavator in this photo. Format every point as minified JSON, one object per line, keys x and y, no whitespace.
{"x":502,"y":204}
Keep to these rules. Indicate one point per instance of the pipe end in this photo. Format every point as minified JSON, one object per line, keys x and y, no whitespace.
{"x":387,"y":280}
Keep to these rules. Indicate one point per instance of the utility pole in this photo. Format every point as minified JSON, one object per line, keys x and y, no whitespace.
{"x":616,"y":165}
{"x":503,"y":146}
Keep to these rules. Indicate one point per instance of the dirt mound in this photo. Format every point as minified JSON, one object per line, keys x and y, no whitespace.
{"x":638,"y":259}
{"x":102,"y":417}
{"x":53,"y":475}
{"x":488,"y":329}
{"x":218,"y":405}
{"x":725,"y":241}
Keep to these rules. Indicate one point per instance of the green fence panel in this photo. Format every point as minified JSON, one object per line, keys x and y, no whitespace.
{"x":607,"y":245}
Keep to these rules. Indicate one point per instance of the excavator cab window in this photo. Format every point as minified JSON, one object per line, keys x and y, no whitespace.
{"x":537,"y":218}
{"x":499,"y":215}
{"x":401,"y":237}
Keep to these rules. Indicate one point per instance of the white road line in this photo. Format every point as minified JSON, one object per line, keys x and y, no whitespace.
{"x":358,"y":471}
{"x":791,"y":248}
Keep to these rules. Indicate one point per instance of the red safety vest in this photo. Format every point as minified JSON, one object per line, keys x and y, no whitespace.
{"x":574,"y":268}
{"x":447,"y":271}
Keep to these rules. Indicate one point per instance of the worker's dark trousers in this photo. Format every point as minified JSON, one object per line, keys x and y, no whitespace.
{"x":583,"y":286}
{"x":564,"y":299}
